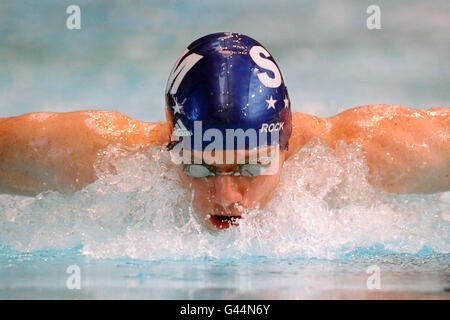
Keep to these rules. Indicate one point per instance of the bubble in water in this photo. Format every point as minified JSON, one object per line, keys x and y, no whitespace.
{"x":324,"y":207}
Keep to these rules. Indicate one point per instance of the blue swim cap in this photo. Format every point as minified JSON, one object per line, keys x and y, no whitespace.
{"x":227,"y":81}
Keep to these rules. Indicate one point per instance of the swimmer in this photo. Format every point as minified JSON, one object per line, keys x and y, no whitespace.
{"x":222,"y":83}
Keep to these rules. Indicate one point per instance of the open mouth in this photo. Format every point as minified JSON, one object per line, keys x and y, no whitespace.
{"x":224,"y":222}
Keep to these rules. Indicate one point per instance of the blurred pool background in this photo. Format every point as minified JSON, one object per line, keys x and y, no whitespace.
{"x":121,"y":57}
{"x":120,"y":60}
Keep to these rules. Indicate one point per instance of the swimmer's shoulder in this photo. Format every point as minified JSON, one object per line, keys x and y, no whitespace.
{"x":304,"y":127}
{"x":379,"y":112}
{"x":359,"y":123}
{"x":118,"y":127}
{"x":105,"y":126}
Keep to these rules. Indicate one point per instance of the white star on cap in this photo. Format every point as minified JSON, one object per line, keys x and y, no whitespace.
{"x":286,"y":102}
{"x":271,"y":103}
{"x":177,"y":108}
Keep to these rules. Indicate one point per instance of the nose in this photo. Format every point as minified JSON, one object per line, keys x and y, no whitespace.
{"x":226,"y":191}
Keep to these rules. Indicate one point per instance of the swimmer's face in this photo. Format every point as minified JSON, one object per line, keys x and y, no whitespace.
{"x":220,"y":199}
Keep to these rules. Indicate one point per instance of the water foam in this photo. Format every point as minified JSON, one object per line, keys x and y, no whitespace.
{"x":324,"y":207}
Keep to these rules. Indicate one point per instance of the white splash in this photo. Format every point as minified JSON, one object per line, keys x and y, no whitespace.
{"x":324,"y":207}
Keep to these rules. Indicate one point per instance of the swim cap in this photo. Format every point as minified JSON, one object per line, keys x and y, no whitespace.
{"x":227,"y":81}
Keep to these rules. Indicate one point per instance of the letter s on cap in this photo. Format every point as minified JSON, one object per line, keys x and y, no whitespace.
{"x":255,"y":54}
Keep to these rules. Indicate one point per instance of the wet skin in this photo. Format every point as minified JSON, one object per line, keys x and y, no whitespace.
{"x":407,"y":151}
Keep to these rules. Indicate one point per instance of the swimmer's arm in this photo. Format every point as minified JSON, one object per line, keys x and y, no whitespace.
{"x":56,"y":151}
{"x":407,"y":150}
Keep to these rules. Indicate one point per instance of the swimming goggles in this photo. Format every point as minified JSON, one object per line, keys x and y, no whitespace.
{"x":204,"y":170}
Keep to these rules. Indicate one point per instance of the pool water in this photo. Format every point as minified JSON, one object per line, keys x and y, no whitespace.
{"x":135,"y":235}
{"x":42,"y":275}
{"x":315,"y":239}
